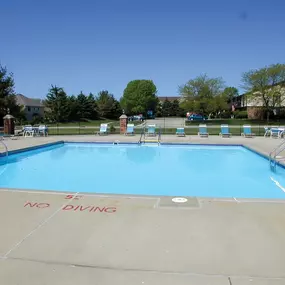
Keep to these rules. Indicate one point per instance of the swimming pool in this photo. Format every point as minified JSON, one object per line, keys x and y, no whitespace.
{"x":168,"y":170}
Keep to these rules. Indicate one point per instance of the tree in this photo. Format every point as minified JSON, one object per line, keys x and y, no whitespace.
{"x":139,"y":97}
{"x":166,"y":108}
{"x":230,"y":93}
{"x":86,"y":106}
{"x":107,"y":105}
{"x":74,"y":115}
{"x":265,"y":86}
{"x":198,"y":93}
{"x":7,"y":95}
{"x":58,"y":104}
{"x":175,"y":108}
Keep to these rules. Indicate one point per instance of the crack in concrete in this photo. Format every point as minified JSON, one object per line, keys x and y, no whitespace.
{"x":47,"y":262}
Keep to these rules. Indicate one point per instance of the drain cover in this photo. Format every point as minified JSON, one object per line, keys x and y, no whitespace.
{"x":179,"y":200}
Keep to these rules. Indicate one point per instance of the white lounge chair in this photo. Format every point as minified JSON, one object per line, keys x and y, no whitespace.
{"x":103,"y":129}
{"x":130,"y":130}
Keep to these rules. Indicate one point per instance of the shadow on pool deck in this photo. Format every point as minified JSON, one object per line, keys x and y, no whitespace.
{"x":56,"y":238}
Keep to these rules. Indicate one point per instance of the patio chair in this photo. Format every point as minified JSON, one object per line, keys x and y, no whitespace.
{"x":180,"y":132}
{"x":28,"y":131}
{"x":130,"y":130}
{"x":151,"y":131}
{"x":43,"y":130}
{"x":274,"y":133}
{"x":203,"y":131}
{"x":225,"y":132}
{"x":267,"y":131}
{"x":247,"y":133}
{"x":103,"y":129}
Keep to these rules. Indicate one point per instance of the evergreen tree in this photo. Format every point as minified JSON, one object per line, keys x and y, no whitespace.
{"x":58,"y":104}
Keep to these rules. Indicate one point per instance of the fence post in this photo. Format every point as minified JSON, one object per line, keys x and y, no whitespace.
{"x":57,"y":128}
{"x":79,"y":127}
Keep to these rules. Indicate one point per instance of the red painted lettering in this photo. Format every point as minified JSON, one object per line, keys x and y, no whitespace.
{"x":110,"y":210}
{"x":83,"y":209}
{"x":30,"y":204}
{"x":76,"y":208}
{"x":67,"y":207}
{"x":100,"y":210}
{"x":38,"y":205}
{"x":74,"y":197}
{"x":43,"y":205}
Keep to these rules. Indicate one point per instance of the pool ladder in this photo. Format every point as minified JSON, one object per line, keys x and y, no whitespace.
{"x":155,"y":139}
{"x":274,"y":153}
{"x":6,"y":150}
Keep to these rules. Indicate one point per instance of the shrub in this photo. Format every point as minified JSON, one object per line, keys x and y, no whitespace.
{"x":112,"y":129}
{"x":240,"y":114}
{"x":226,"y":115}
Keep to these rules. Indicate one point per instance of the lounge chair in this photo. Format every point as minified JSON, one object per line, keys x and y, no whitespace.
{"x":267,"y":131}
{"x":247,"y":133}
{"x":28,"y":131}
{"x":151,"y":132}
{"x":103,"y":129}
{"x":180,"y":132}
{"x":43,"y":130}
{"x":274,"y":133}
{"x":203,"y":131}
{"x":130,"y":130}
{"x":225,"y":132}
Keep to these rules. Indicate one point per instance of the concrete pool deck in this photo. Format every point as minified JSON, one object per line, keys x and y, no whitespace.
{"x":63,"y":238}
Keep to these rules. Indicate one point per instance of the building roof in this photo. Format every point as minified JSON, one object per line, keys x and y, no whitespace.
{"x":169,"y":98}
{"x":31,"y":102}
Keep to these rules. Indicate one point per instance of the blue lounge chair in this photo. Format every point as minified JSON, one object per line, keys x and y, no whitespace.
{"x":225,"y":132}
{"x":151,"y":132}
{"x":247,"y":133}
{"x":274,"y":133}
{"x":203,"y":131}
{"x":103,"y":129}
{"x":180,"y":132}
{"x":130,"y":130}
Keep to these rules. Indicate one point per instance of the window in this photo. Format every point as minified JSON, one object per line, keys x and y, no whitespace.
{"x":29,"y":109}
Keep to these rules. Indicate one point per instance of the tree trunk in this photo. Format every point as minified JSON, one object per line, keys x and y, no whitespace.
{"x":268,"y":113}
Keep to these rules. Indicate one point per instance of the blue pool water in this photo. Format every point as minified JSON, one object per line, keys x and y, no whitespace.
{"x":205,"y":171}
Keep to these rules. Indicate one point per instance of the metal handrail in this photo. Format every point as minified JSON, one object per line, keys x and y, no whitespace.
{"x":273,"y":155}
{"x":142,"y":133}
{"x":6,"y":149}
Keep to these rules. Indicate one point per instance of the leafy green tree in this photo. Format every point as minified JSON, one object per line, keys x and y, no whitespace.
{"x":230,"y":93}
{"x":58,"y":104}
{"x":7,"y":95}
{"x":265,"y":86}
{"x":107,"y":105}
{"x":139,"y":97}
{"x":198,"y":93}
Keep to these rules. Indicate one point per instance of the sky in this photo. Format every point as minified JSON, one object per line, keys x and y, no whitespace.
{"x":91,"y":45}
